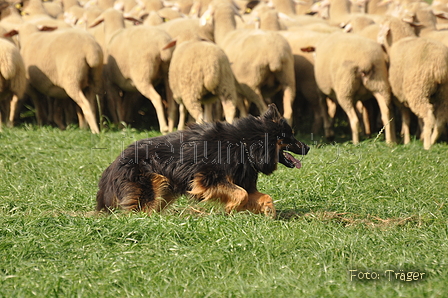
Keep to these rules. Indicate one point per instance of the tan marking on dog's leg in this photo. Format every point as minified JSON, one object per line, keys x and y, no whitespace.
{"x":163,"y":195}
{"x":232,"y":196}
{"x":131,"y":196}
{"x":261,"y":203}
{"x":136,"y":197}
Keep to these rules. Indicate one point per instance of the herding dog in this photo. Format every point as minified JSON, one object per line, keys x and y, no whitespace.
{"x":213,"y":161}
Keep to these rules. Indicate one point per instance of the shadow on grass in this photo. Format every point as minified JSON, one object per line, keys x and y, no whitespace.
{"x":345,"y":219}
{"x":348,"y":219}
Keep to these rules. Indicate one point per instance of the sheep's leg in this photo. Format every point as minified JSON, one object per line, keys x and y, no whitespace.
{"x":241,"y":106}
{"x":39,"y":102}
{"x":81,"y":119}
{"x":229,"y":109}
{"x":150,"y":92}
{"x":288,"y":100}
{"x":12,"y":110}
{"x":385,"y":106}
{"x":115,"y":103}
{"x":363,"y":113}
{"x":438,"y":129}
{"x":287,"y":80}
{"x":405,"y":124}
{"x":428,"y":126}
{"x":5,"y":105}
{"x":253,"y":96}
{"x":58,"y":111}
{"x":182,"y":117}
{"x":328,"y":124}
{"x":194,"y":107}
{"x":420,"y":129}
{"x":86,"y":107}
{"x":173,"y":107}
{"x":173,"y":112}
{"x":346,"y":104}
{"x":208,"y":112}
{"x":331,"y":107}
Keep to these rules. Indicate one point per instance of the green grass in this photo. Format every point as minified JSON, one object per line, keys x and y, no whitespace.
{"x":369,"y":208}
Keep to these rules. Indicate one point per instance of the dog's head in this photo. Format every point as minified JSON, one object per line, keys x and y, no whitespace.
{"x":285,"y":140}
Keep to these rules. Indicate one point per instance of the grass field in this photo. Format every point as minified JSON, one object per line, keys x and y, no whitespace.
{"x":370,"y":211}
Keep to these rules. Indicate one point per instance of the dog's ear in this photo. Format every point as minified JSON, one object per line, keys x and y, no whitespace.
{"x":272,"y":114}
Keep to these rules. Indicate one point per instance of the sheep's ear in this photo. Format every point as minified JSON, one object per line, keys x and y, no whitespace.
{"x":145,"y":15}
{"x":207,"y":16}
{"x":132,"y":19}
{"x":250,"y":6}
{"x":46,"y":28}
{"x":272,"y":114}
{"x":440,"y":14}
{"x":308,"y":49}
{"x":382,"y":35}
{"x":170,"y":44}
{"x":97,"y":21}
{"x":4,"y":5}
{"x":11,"y":33}
{"x":236,"y":11}
{"x":119,"y":5}
{"x":348,"y":28}
{"x":411,"y":21}
{"x":195,"y":10}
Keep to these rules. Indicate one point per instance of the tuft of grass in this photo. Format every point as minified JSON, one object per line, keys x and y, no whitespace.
{"x":369,"y":208}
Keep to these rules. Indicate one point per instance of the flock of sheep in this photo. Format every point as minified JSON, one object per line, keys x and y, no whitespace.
{"x":236,"y":53}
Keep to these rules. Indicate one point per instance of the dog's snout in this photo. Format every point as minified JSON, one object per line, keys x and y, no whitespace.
{"x":304,"y":148}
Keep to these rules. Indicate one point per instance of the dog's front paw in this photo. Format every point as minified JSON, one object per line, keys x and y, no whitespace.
{"x":267,"y":206}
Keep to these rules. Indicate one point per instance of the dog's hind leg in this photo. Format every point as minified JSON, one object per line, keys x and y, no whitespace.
{"x":260,"y":203}
{"x":151,"y":193}
{"x":159,"y":195}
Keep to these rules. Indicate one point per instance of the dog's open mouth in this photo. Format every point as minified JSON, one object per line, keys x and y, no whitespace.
{"x":288,"y":160}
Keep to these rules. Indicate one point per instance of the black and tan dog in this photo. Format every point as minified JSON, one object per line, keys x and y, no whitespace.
{"x":213,"y":161}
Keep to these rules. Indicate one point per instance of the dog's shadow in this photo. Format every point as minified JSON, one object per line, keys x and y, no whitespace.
{"x":291,"y":214}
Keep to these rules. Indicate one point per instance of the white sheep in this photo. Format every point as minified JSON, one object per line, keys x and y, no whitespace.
{"x":418,"y":75}
{"x":60,"y":64}
{"x":340,"y":12}
{"x":422,"y":18}
{"x":349,"y":68}
{"x":260,"y":59}
{"x":12,"y":78}
{"x":306,"y":87}
{"x":178,"y":26}
{"x":200,"y":73}
{"x":136,"y":61}
{"x":35,"y":13}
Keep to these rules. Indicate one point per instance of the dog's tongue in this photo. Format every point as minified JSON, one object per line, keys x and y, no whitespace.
{"x":295,"y":161}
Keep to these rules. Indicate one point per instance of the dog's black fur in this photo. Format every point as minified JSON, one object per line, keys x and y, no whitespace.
{"x":213,"y":161}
